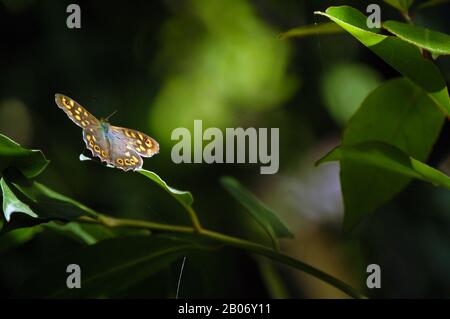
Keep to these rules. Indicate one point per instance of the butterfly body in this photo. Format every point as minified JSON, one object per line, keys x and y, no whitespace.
{"x":120,"y":147}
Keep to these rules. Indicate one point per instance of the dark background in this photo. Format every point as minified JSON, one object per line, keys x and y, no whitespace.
{"x":162,"y":64}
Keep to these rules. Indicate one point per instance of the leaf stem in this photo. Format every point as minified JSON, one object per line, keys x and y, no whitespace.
{"x":113,"y":222}
{"x":194,"y":218}
{"x":407,"y":17}
{"x":259,"y":249}
{"x":280,"y":257}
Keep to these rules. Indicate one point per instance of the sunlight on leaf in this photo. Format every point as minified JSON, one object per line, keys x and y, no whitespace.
{"x":388,"y":157}
{"x":402,"y":56}
{"x":433,"y":41}
{"x":11,"y":204}
{"x":182,"y":196}
{"x":30,"y":162}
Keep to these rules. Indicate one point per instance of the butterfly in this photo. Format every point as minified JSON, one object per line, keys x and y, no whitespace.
{"x":117,"y":146}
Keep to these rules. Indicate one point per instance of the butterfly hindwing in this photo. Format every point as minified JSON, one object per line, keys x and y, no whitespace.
{"x":97,"y":143}
{"x":78,"y":114}
{"x":136,"y":141}
{"x":122,"y":156}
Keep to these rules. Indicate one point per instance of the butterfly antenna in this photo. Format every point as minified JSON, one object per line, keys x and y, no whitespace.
{"x":110,"y":115}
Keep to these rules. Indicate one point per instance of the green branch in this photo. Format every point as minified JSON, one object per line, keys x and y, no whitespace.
{"x":229,"y":240}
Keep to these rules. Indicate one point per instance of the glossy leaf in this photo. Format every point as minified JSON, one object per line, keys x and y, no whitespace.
{"x":51,"y":204}
{"x":30,"y":162}
{"x":433,"y":41}
{"x":182,"y":196}
{"x":37,"y":203}
{"x":263,"y":215}
{"x":11,"y":204}
{"x":107,"y":267}
{"x":388,"y":157}
{"x":402,"y":56}
{"x":401,"y":114}
{"x":315,"y":29}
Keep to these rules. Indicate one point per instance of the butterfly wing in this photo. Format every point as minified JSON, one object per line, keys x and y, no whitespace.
{"x":122,"y":155}
{"x":97,"y":143}
{"x":117,"y":146}
{"x":136,"y":141}
{"x":78,"y":114}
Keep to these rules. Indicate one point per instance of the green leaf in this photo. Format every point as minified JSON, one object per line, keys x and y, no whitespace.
{"x":402,"y":5}
{"x":183,"y":197}
{"x":388,"y":157}
{"x":11,"y":204}
{"x":315,"y":29}
{"x":17,"y":237}
{"x":263,"y":215}
{"x":30,"y":162}
{"x":401,"y":114}
{"x":402,"y":56}
{"x":433,"y":41}
{"x":50,"y":204}
{"x":107,"y":267}
{"x":37,"y":202}
{"x":431,"y":4}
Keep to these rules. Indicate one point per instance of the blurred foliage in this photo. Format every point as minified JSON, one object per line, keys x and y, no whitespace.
{"x":230,"y":63}
{"x":344,"y":88}
{"x":162,"y":64}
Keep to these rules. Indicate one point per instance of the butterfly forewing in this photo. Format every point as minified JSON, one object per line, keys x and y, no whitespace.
{"x":78,"y":114}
